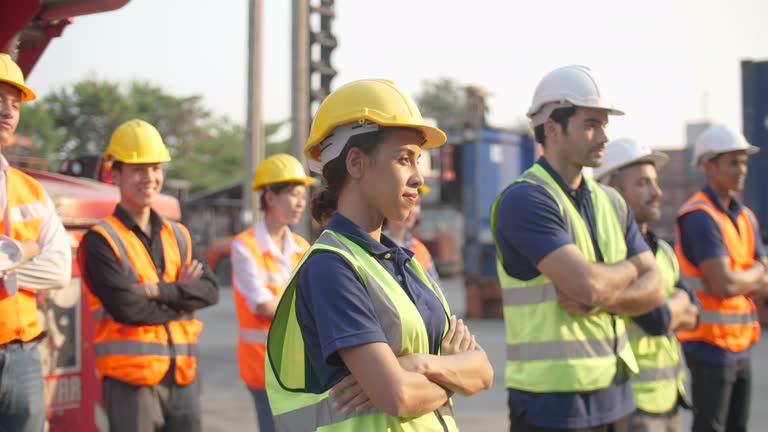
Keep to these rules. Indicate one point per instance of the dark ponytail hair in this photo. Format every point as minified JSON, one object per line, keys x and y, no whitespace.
{"x":325,"y":200}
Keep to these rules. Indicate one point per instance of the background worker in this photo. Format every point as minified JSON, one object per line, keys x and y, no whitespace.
{"x":362,"y":339}
{"x":402,"y":233}
{"x":723,"y":259}
{"x":146,"y":282}
{"x":263,"y":258}
{"x":571,"y":261}
{"x":36,"y":255}
{"x":631,"y":168}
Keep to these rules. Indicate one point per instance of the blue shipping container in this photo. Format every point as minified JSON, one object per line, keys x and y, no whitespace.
{"x":754,"y":76}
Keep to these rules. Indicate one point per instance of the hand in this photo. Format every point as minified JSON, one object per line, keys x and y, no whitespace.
{"x":348,"y":396}
{"x":573,"y":306}
{"x":190,"y":273}
{"x":691,"y":318}
{"x":458,"y":338}
{"x":31,"y":249}
{"x":146,"y":290}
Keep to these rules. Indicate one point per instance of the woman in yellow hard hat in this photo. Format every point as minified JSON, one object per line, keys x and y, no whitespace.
{"x":402,"y":233}
{"x":362,"y":339}
{"x":263,"y":258}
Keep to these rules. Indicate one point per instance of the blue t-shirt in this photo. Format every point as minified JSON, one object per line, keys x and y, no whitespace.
{"x":333,"y":308}
{"x":530,"y":227}
{"x":700,"y":240}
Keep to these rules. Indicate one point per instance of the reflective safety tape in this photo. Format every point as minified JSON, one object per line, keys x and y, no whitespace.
{"x":531,"y":295}
{"x":254,"y":336}
{"x":99,"y":314}
{"x":138,"y":348}
{"x":324,"y":413}
{"x":562,"y":350}
{"x":657,"y":374}
{"x":716,"y":317}
{"x":123,"y":254}
{"x":24,"y":212}
{"x":693,"y":283}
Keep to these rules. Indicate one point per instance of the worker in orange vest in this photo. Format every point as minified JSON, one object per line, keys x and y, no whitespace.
{"x":402,"y":233}
{"x":35,"y":255}
{"x":723,"y":259}
{"x":263,"y":258}
{"x":146,"y":282}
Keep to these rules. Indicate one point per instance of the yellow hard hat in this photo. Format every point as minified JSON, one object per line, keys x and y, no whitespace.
{"x":10,"y":73}
{"x":423,"y":189}
{"x":280,"y":168}
{"x":374,"y":100}
{"x":136,"y":142}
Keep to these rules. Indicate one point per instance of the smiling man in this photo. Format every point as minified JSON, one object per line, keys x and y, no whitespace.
{"x":570,"y":260}
{"x":721,"y":257}
{"x":146,"y":282}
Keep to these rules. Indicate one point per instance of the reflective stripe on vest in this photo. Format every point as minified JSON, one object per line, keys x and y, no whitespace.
{"x":660,"y":384}
{"x":254,"y":336}
{"x":730,"y":323}
{"x":23,"y":218}
{"x":298,"y":402}
{"x":548,"y":349}
{"x":141,"y":355}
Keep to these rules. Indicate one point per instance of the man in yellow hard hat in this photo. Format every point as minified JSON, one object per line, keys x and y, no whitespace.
{"x":34,"y":255}
{"x":263,"y":258}
{"x":145,"y":282}
{"x":631,"y":168}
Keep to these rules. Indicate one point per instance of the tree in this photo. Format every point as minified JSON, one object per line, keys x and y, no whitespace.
{"x":79,"y":119}
{"x":444,"y":100}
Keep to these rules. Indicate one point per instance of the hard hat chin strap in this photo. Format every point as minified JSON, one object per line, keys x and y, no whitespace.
{"x":331,"y":147}
{"x":546,"y":110}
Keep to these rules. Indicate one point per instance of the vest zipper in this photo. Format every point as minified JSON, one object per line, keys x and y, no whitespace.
{"x":441,"y":420}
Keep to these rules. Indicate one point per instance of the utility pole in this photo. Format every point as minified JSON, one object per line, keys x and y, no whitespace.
{"x":254,"y":142}
{"x":300,"y":115}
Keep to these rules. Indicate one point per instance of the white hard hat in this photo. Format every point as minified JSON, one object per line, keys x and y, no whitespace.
{"x":716,"y":140}
{"x":566,"y":87}
{"x":623,"y":152}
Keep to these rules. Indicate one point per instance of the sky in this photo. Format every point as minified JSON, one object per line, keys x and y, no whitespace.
{"x":664,"y":63}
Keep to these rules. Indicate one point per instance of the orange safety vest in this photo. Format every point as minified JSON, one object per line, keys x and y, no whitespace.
{"x":254,"y":328}
{"x":421,"y":253}
{"x":141,"y":355}
{"x":23,"y":218}
{"x":728,"y":323}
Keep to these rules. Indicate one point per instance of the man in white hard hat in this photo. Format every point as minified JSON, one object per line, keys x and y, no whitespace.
{"x":34,"y":255}
{"x":631,"y":168}
{"x":571,"y":259}
{"x":723,"y":259}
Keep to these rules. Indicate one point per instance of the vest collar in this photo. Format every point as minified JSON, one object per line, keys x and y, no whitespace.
{"x":577,"y":195}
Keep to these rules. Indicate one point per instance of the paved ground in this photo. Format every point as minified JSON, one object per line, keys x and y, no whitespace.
{"x":227,"y":406}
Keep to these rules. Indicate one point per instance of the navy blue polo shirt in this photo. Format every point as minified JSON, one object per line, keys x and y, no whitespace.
{"x":701,"y":239}
{"x":333,"y":308}
{"x":529,"y":228}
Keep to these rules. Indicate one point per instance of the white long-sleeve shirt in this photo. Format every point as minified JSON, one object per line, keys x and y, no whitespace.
{"x":249,"y":279}
{"x":52,"y":269}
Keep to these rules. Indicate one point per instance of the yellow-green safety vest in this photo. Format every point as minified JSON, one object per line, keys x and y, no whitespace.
{"x":661,"y":379}
{"x":548,"y":349}
{"x":297,"y":404}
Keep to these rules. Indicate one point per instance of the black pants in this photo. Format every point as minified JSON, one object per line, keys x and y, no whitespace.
{"x":166,"y":407}
{"x":519,"y":424}
{"x":721,"y":395}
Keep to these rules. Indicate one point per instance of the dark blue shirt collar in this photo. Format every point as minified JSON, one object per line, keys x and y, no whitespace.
{"x":576,"y":195}
{"x":734,"y":208}
{"x":342,"y":225}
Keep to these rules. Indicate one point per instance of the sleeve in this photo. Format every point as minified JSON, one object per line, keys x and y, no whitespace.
{"x":636,"y":244}
{"x":655,"y":322}
{"x":248,"y":278}
{"x":528,"y":220}
{"x":52,"y":269}
{"x":700,"y":237}
{"x":336,"y":301}
{"x":106,"y":280}
{"x":191,"y":296}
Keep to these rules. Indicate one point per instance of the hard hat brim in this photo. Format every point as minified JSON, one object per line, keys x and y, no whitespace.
{"x":657,"y":158}
{"x":26,"y":93}
{"x":699,"y":161}
{"x":305,"y":181}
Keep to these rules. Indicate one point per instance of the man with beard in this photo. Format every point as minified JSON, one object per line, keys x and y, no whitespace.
{"x":659,"y":388}
{"x":571,"y":261}
{"x":723,"y":259}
